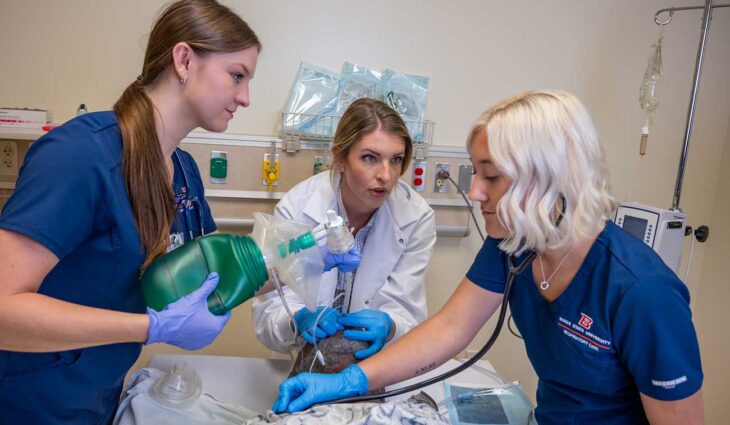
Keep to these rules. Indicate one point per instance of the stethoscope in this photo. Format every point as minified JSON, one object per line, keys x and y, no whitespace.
{"x":188,"y":203}
{"x":514,"y":270}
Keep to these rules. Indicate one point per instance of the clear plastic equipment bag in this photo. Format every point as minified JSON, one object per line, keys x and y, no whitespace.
{"x":502,"y":405}
{"x":313,"y":95}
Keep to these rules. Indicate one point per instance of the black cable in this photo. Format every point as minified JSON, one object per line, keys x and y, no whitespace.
{"x":445,"y":174}
{"x":509,"y":327}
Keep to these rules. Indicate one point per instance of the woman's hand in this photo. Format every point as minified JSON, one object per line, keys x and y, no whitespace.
{"x":345,"y":262}
{"x":376,"y":326}
{"x":327,"y":323}
{"x":305,"y":389}
{"x":187,"y":323}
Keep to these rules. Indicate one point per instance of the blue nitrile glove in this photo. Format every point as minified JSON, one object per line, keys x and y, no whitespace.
{"x":305,"y":389}
{"x":327,"y":325}
{"x":187,"y":323}
{"x":345,"y":262}
{"x":376,"y":327}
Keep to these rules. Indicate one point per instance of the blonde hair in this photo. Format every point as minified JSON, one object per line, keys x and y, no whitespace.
{"x":363,"y":117}
{"x":545,"y":142}
{"x":208,"y":27}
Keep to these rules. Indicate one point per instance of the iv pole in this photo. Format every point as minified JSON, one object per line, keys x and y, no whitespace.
{"x":706,"y":17}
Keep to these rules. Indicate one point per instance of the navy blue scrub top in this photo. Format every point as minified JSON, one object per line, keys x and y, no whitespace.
{"x":71,"y":198}
{"x":622,"y":327}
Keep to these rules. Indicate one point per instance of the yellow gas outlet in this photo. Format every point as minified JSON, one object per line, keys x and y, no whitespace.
{"x":269,"y":172}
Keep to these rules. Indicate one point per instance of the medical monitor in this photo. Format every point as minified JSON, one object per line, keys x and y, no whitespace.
{"x":660,"y":229}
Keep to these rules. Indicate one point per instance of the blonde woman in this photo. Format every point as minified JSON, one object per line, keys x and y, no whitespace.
{"x":97,"y":200}
{"x":606,"y":324}
{"x":394,"y":228}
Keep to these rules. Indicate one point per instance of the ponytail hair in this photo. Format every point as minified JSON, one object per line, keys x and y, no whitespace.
{"x":207,"y":27}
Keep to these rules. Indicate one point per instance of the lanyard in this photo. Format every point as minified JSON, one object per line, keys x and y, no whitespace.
{"x":190,"y":202}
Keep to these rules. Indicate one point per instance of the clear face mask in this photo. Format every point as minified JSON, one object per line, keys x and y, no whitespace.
{"x":179,"y":388}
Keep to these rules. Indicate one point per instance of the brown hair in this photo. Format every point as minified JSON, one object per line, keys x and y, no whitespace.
{"x":207,"y":26}
{"x":363,"y":117}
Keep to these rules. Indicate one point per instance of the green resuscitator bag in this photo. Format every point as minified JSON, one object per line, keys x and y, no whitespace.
{"x":237,"y":259}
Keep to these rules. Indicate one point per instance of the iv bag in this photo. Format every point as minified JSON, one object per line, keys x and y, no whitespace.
{"x":650,"y":85}
{"x":299,"y":266}
{"x":649,"y":90}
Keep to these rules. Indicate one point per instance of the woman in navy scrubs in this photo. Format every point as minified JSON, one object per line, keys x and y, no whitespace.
{"x":96,"y":201}
{"x":606,"y":324}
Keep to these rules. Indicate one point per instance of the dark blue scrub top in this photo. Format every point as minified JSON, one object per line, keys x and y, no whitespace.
{"x":71,"y":197}
{"x":622,"y":327}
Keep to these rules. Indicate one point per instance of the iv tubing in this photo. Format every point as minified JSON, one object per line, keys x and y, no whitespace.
{"x":314,"y":337}
{"x":280,"y":291}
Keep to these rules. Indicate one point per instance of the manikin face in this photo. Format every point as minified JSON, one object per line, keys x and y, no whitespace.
{"x":488,"y":186}
{"x":370,"y":172}
{"x":219,"y":85}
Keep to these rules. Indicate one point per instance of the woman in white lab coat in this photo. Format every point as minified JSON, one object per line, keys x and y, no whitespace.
{"x":394,"y":229}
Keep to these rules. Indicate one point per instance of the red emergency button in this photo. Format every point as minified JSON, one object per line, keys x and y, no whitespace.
{"x":418,"y":172}
{"x":417,"y":181}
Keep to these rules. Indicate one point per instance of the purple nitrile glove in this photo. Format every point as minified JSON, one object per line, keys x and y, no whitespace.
{"x":187,"y":323}
{"x":345,"y":262}
{"x":376,"y":326}
{"x":305,"y":389}
{"x":327,"y":324}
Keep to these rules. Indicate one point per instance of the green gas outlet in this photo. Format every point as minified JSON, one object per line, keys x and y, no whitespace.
{"x":218,"y":166}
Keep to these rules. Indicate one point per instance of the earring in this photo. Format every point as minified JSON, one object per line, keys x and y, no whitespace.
{"x":184,"y":79}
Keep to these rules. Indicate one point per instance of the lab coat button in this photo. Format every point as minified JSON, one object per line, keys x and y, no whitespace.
{"x":367,"y":302}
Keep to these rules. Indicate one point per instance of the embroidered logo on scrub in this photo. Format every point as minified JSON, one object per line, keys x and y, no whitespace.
{"x":581,"y":333}
{"x":668,"y":385}
{"x":585,"y":321}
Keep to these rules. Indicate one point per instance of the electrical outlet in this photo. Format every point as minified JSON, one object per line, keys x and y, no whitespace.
{"x":440,"y":184}
{"x":9,"y":159}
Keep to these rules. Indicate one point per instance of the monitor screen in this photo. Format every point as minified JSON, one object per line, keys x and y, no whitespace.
{"x":635,"y":226}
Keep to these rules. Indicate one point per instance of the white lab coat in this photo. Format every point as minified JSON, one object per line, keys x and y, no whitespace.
{"x":392,"y":272}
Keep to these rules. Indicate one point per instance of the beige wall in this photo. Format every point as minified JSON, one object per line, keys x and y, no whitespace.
{"x":59,"y":53}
